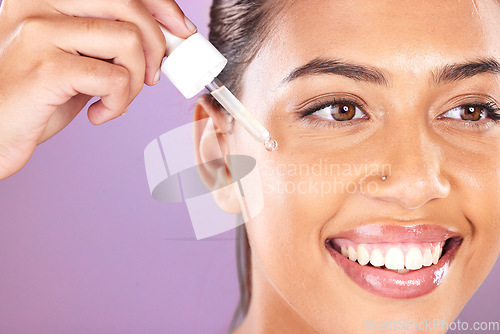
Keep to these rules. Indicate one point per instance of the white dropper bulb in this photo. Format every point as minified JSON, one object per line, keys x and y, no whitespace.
{"x":191,"y":63}
{"x":171,"y":40}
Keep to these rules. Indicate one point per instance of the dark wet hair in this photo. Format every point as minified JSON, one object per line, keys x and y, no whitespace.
{"x":238,"y":28}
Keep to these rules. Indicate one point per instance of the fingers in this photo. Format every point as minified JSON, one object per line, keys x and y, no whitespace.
{"x":118,"y":81}
{"x":94,"y":77}
{"x":122,"y":32}
{"x":117,"y":41}
{"x":171,"y":16}
{"x":132,"y":11}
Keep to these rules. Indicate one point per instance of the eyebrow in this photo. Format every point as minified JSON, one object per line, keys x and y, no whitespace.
{"x":461,"y":71}
{"x":447,"y":73}
{"x":334,"y":66}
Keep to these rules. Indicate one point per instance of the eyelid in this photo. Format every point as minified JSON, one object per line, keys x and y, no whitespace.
{"x":448,"y":114}
{"x":330,"y":99}
{"x":470,"y":99}
{"x":491,"y":107}
{"x":484,"y":101}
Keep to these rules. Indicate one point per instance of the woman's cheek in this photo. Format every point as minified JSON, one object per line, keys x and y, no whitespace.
{"x":299,"y":199}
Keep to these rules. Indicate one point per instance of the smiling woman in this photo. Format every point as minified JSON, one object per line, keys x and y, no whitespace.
{"x":413,"y":85}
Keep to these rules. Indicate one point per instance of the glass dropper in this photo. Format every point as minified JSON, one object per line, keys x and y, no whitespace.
{"x":241,"y":114}
{"x":193,"y":62}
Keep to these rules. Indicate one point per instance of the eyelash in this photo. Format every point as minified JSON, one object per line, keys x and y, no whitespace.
{"x":321,"y":122}
{"x":491,"y":108}
{"x":492,"y":111}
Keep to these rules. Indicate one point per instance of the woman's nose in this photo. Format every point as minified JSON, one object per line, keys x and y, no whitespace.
{"x":412,"y":170}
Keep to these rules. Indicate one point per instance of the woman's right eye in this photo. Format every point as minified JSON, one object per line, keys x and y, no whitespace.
{"x":339,"y":112}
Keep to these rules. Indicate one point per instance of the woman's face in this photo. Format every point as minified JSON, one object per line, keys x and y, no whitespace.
{"x":356,"y":92}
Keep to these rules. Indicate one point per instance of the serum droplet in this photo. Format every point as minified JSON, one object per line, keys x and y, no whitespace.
{"x":271,"y":144}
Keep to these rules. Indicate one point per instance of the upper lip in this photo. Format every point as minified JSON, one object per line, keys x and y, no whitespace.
{"x":387,"y":232}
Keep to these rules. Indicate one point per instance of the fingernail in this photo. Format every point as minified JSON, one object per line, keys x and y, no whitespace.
{"x":125,"y":112}
{"x":157,"y":77}
{"x":190,"y":25}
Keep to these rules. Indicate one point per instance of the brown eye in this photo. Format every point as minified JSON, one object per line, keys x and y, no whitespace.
{"x":339,"y":112}
{"x":471,"y":113}
{"x":343,"y":112}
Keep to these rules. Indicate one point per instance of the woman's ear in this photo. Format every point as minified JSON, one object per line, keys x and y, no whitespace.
{"x":212,"y":136}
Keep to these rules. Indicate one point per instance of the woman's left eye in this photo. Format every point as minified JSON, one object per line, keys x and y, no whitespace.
{"x":468,"y":113}
{"x":339,"y":112}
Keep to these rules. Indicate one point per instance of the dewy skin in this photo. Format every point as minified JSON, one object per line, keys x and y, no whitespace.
{"x":193,"y":64}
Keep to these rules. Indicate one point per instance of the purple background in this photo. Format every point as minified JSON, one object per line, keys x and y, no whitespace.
{"x":85,"y":249}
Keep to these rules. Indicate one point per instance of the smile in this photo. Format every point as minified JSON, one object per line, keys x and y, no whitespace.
{"x":395,"y":261}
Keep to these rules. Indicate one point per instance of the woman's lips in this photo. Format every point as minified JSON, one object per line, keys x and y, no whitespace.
{"x":396,"y":233}
{"x":414,"y":251}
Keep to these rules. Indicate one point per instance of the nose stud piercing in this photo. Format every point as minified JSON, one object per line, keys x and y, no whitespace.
{"x":384,"y":178}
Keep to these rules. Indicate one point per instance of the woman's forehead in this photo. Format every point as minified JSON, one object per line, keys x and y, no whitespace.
{"x":409,"y":36}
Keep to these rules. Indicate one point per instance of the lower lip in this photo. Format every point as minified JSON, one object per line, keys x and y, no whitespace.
{"x":391,"y":284}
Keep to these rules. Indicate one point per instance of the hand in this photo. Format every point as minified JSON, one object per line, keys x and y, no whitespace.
{"x":56,"y":54}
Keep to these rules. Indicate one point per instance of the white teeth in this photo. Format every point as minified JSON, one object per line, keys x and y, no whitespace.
{"x":377,"y":259}
{"x":352,"y":253}
{"x":413,"y":259}
{"x":394,"y":258}
{"x":427,"y":257}
{"x":417,"y":255}
{"x":363,"y":255}
{"x":403,"y":271}
{"x":345,"y":252}
{"x":436,"y":254}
